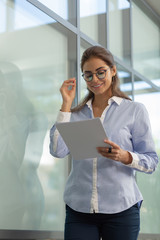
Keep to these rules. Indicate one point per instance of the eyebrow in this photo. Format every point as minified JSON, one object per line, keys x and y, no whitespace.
{"x":96,"y":69}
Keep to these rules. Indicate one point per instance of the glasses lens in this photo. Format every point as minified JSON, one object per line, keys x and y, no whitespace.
{"x":88,"y":77}
{"x":101,"y":74}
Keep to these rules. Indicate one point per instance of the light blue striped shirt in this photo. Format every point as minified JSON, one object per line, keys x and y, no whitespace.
{"x":100,"y":184}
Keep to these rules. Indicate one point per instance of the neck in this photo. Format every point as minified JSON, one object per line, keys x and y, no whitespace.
{"x":101,"y":101}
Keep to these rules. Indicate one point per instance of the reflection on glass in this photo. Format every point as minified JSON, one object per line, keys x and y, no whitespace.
{"x":156,"y":82}
{"x":125,"y":80}
{"x":15,"y":17}
{"x":93,"y":19}
{"x":141,"y":87}
{"x":64,"y":8}
{"x":3,"y":17}
{"x":146,"y":47}
{"x":149,"y":185}
{"x":31,"y":73}
{"x":119,"y":29}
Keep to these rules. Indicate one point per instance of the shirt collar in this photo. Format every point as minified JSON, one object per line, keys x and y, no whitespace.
{"x":115,"y":99}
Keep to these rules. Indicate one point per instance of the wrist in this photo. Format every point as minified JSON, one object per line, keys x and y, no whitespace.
{"x":66,"y":107}
{"x":128,"y":158}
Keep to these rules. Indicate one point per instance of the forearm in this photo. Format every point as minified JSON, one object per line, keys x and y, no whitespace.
{"x":68,"y":91}
{"x":66,"y":106}
{"x":57,"y":146}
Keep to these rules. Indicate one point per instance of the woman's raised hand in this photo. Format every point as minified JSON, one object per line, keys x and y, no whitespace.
{"x":68,"y":92}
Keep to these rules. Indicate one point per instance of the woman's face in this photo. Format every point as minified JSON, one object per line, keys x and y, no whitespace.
{"x":99,"y":85}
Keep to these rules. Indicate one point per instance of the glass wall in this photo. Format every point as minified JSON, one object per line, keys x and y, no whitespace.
{"x":64,"y":8}
{"x":146,"y":44}
{"x":149,"y":185}
{"x":146,"y":60}
{"x":125,"y":80}
{"x":93,"y":20}
{"x":119,"y":29}
{"x":37,"y":54}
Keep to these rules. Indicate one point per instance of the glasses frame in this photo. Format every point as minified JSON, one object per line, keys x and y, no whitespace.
{"x":96,"y":73}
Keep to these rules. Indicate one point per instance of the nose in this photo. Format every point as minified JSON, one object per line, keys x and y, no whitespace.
{"x":95,"y":78}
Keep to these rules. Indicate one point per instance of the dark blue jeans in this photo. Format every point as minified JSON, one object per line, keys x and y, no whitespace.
{"x":95,"y":226}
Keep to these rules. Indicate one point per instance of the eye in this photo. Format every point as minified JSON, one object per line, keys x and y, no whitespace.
{"x":101,"y":73}
{"x":88,"y":75}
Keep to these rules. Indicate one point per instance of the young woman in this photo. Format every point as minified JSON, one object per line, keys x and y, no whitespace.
{"x":101,"y":195}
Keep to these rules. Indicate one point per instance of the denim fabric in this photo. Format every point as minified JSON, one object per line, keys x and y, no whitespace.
{"x":94,"y":226}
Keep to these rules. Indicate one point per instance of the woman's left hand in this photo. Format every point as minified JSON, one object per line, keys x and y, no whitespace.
{"x":116,"y":153}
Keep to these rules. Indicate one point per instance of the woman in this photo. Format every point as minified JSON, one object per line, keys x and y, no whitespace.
{"x":101,"y":195}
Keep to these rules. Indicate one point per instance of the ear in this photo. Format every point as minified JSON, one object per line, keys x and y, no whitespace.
{"x":114,"y":70}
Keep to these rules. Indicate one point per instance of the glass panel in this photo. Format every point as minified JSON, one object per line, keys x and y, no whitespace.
{"x":65,"y":8}
{"x":125,"y":80}
{"x":146,"y":45}
{"x":3,"y":18}
{"x":149,"y":185}
{"x":141,"y":87}
{"x":34,"y":61}
{"x":119,"y":29}
{"x":93,"y":19}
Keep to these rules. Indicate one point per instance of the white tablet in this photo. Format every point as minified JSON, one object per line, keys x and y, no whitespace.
{"x":82,"y":137}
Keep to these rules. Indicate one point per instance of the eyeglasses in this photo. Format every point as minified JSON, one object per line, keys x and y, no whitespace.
{"x":88,"y":76}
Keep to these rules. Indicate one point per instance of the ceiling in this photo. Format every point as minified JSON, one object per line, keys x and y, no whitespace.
{"x":155,"y":5}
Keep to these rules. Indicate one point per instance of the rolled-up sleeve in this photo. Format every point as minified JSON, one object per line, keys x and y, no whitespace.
{"x":144,"y":157}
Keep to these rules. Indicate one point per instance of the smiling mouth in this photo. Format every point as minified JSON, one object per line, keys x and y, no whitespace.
{"x":97,"y":86}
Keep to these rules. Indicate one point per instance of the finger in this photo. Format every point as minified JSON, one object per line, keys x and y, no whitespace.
{"x":71,"y":80}
{"x":107,"y":155}
{"x":114,"y":145}
{"x":110,"y":149}
{"x":105,"y":150}
{"x":69,"y":84}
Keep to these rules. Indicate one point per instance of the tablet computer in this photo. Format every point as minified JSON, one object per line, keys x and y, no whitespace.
{"x":83,"y":137}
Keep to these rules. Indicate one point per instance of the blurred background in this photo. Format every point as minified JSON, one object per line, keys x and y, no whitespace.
{"x":41,"y":43}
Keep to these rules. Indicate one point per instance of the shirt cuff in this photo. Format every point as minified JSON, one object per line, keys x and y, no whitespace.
{"x":135,"y":160}
{"x":63,"y":116}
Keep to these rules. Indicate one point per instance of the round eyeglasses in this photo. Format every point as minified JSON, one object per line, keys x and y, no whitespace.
{"x":100,"y":74}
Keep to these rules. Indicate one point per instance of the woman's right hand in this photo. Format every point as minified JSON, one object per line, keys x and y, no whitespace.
{"x":68,"y":92}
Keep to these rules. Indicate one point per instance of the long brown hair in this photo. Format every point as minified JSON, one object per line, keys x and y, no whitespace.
{"x":107,"y":57}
